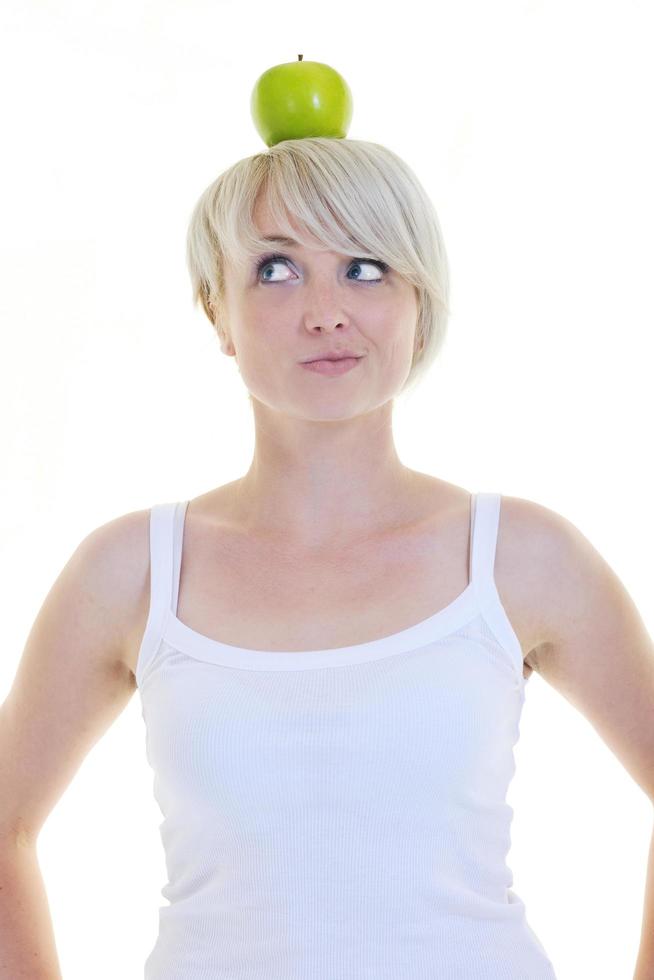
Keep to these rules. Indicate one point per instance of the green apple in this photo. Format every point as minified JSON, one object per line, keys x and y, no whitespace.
{"x":300,"y":99}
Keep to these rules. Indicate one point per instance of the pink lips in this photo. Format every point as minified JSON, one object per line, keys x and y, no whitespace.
{"x":333,"y":354}
{"x":331,"y":367}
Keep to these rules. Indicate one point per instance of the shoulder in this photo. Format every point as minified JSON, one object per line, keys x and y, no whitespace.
{"x":533,"y":529}
{"x":116,"y":559}
{"x":115,"y":549}
{"x":552,"y":566}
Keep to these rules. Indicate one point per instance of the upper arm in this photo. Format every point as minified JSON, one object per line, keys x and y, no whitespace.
{"x":72,"y":680}
{"x":598,"y":653}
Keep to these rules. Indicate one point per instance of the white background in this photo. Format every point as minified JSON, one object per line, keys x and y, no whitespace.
{"x":529,"y":124}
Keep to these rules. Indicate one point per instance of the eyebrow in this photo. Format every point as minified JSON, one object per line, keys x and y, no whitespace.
{"x":279,"y":240}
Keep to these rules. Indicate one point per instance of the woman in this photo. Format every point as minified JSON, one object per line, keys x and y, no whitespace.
{"x":332,"y":650}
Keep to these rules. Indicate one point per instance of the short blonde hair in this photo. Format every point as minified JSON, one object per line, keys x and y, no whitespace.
{"x":347,"y":196}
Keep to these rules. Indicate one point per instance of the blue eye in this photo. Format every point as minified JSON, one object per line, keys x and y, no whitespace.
{"x":272,"y":259}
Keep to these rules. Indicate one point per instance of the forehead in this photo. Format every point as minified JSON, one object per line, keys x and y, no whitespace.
{"x":267,"y":226}
{"x":261,"y":212}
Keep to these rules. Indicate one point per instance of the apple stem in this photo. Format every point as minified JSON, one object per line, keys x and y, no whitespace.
{"x":300,"y":57}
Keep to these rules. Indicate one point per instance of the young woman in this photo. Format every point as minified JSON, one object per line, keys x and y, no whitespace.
{"x":331,"y":651}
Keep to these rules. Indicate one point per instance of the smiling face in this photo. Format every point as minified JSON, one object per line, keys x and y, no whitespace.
{"x":278,"y":313}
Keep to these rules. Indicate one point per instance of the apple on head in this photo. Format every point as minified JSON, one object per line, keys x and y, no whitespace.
{"x":299,"y":99}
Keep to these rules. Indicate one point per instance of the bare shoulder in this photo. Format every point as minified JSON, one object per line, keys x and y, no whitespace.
{"x":118,"y":553}
{"x":533,"y":542}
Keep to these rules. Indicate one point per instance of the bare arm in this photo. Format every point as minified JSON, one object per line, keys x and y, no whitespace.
{"x":72,"y":682}
{"x":600,"y":657}
{"x":27,"y":943}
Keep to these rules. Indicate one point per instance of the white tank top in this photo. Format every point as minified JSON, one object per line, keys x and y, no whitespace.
{"x":337,"y":814}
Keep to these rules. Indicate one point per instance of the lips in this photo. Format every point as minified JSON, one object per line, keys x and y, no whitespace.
{"x":332,"y":356}
{"x":331,"y":366}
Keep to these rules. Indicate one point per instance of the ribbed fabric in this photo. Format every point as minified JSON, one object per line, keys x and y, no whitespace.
{"x":337,"y":814}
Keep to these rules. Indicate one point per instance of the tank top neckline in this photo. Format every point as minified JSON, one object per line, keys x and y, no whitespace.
{"x":442,"y":623}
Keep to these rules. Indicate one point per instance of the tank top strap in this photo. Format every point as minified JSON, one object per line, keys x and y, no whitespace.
{"x":175,"y":550}
{"x":166,"y":536}
{"x":162,"y":523}
{"x":485,"y":523}
{"x":166,"y":528}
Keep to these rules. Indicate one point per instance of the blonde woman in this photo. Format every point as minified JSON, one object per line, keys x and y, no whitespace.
{"x":331,"y":651}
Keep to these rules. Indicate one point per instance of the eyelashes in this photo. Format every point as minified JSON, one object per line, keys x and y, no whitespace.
{"x":271,"y":259}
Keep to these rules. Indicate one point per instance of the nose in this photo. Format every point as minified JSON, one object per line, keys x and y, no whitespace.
{"x":324,"y":311}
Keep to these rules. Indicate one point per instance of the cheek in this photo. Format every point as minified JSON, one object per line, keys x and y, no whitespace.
{"x":260,"y":325}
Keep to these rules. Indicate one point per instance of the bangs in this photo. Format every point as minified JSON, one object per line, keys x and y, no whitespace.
{"x":314,"y":198}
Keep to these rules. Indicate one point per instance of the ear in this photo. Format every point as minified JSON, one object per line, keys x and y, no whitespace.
{"x":206,"y":306}
{"x":214,"y":315}
{"x":226,"y":345}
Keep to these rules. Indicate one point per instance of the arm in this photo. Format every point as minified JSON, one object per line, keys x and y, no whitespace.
{"x":600,"y":657}
{"x":72,"y":682}
{"x":27,"y":943}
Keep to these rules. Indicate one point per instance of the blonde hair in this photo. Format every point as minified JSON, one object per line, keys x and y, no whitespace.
{"x":349,"y":196}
